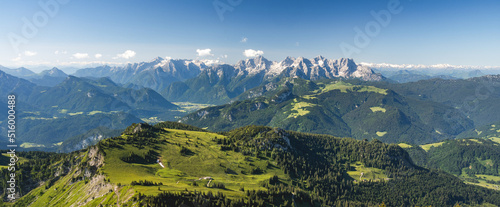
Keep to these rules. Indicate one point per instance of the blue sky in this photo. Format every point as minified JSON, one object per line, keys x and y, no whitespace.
{"x":95,"y":32}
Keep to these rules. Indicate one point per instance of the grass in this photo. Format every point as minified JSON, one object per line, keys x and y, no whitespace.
{"x":31,"y":145}
{"x":376,"y":108}
{"x":369,"y":173}
{"x":76,"y":113}
{"x":381,"y":134}
{"x":482,"y":180}
{"x":495,"y":139}
{"x":427,"y":147}
{"x":484,"y":184}
{"x":95,"y":112}
{"x":179,"y":173}
{"x":486,"y":163}
{"x":478,"y":132}
{"x":488,"y":177}
{"x":63,"y":111}
{"x":64,"y":193}
{"x":475,"y":140}
{"x":299,"y":109}
{"x":344,"y":87}
{"x":404,"y":145}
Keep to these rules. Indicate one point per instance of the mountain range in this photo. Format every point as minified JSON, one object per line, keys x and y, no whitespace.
{"x":319,"y":95}
{"x":220,"y":84}
{"x":155,"y":74}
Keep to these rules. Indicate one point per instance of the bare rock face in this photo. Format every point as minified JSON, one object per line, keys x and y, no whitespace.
{"x":95,"y":158}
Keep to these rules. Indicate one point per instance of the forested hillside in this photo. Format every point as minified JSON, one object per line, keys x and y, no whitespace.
{"x":337,"y":108}
{"x":176,"y":164}
{"x":475,"y":161}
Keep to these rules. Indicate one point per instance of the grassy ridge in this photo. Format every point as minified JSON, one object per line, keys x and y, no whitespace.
{"x":181,"y":171}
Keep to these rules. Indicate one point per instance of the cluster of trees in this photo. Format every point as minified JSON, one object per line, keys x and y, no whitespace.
{"x":218,"y":185}
{"x":145,"y":183}
{"x":149,"y":157}
{"x":177,"y":125}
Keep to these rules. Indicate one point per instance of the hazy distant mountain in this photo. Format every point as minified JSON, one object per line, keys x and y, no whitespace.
{"x":156,"y":74}
{"x":477,"y":98}
{"x":50,"y":77}
{"x":11,"y":84}
{"x":412,"y":73}
{"x":18,"y":72}
{"x":76,"y":95}
{"x":219,"y":84}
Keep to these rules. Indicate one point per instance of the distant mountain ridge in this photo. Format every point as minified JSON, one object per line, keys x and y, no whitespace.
{"x":404,"y":73}
{"x":221,"y":83}
{"x":159,"y":73}
{"x":310,"y":69}
{"x":50,"y":77}
{"x":156,"y":74}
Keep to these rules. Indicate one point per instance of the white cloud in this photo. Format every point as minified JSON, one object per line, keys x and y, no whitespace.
{"x":98,"y":55}
{"x":80,"y":55}
{"x":253,"y":53}
{"x":18,"y":58}
{"x":223,"y":56}
{"x":244,"y":39}
{"x":212,"y":62}
{"x":126,"y":55}
{"x":29,"y":53}
{"x":57,"y":52}
{"x":204,"y":52}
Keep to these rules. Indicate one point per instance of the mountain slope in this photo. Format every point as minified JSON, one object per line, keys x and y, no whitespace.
{"x":474,"y":160}
{"x":11,"y":84}
{"x":50,"y":77}
{"x":476,"y":98}
{"x":336,"y":108}
{"x":250,"y":166}
{"x":491,"y":130}
{"x":51,"y":131}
